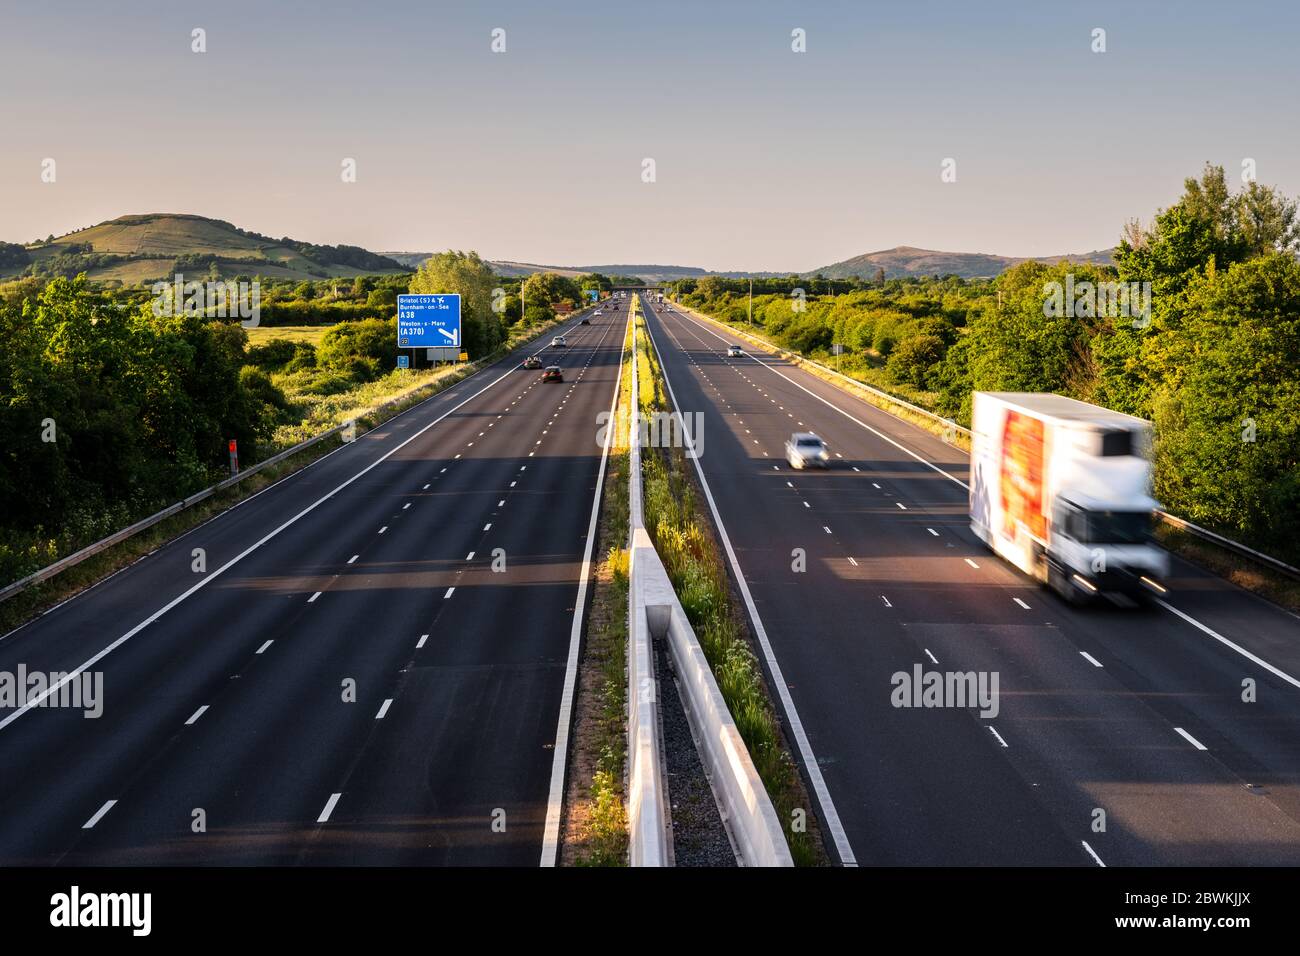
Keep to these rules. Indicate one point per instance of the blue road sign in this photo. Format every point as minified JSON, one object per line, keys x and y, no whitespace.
{"x":403,"y":361}
{"x":424,"y":321}
{"x":594,"y":293}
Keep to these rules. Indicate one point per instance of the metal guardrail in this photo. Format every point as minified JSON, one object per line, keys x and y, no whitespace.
{"x":746,"y":809}
{"x":117,"y":537}
{"x":650,"y":839}
{"x":1172,"y":520}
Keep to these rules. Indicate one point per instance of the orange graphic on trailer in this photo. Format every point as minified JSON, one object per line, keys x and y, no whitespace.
{"x":1022,"y":476}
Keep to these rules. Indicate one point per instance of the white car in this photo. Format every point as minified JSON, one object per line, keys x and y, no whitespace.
{"x":597,"y":312}
{"x":559,"y":342}
{"x":734,"y":351}
{"x":804,"y":449}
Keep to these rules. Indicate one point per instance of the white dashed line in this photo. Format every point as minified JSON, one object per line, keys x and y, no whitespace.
{"x":196,"y":715}
{"x":450,"y":592}
{"x":420,"y":643}
{"x":313,"y":597}
{"x":886,"y":600}
{"x":933,"y":659}
{"x":1191,"y":740}
{"x":1090,"y":659}
{"x":971,"y":563}
{"x":994,"y":732}
{"x":329,"y":808}
{"x":1093,"y":853}
{"x":353,"y":559}
{"x":384,"y":709}
{"x":262,"y":649}
{"x":1021,"y":603}
{"x":99,"y":815}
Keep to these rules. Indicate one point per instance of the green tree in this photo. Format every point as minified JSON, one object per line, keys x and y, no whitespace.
{"x":467,"y":274}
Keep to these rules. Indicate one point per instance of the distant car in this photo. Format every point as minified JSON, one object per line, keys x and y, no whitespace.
{"x":559,"y":342}
{"x":734,"y":351}
{"x":586,"y":321}
{"x":553,"y":374}
{"x":597,"y":312}
{"x":532,"y":362}
{"x":804,"y":449}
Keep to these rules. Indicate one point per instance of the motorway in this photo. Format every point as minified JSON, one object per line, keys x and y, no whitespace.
{"x":1124,"y":736}
{"x":349,"y":681}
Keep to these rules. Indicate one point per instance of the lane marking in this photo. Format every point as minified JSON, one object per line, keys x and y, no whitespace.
{"x":933,"y":659}
{"x":901,"y":505}
{"x":384,"y":709}
{"x":1190,"y":739}
{"x":313,"y":597}
{"x":972,"y":563}
{"x":1227,"y":643}
{"x":420,"y":643}
{"x":852,"y":562}
{"x":383,"y":529}
{"x":329,"y":808}
{"x":1093,"y":853}
{"x":470,"y":556}
{"x":994,"y":732}
{"x":196,"y":715}
{"x":99,"y":815}
{"x":1021,"y":603}
{"x":353,"y":558}
{"x":1090,"y":659}
{"x":450,"y":592}
{"x":933,"y":532}
{"x":262,"y":649}
{"x":488,"y":526}
{"x":886,"y":600}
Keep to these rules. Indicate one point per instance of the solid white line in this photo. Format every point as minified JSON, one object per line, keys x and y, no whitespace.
{"x":196,"y":715}
{"x":89,"y":824}
{"x":1092,"y":853}
{"x":420,"y":642}
{"x":560,"y":754}
{"x":329,"y":808}
{"x":450,"y":592}
{"x":1191,"y":740}
{"x":1021,"y":603}
{"x":384,"y":709}
{"x":813,"y":769}
{"x":1090,"y":659}
{"x":262,"y":649}
{"x":1227,"y":643}
{"x":313,"y":597}
{"x":994,"y":732}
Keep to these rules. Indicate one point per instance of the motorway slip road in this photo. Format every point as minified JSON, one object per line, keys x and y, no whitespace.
{"x":1135,"y":712}
{"x":224,"y":692}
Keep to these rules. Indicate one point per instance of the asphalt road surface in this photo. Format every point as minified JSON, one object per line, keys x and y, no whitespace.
{"x":349,"y":681}
{"x":1123,"y":735}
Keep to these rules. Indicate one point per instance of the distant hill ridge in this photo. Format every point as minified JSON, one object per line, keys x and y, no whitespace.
{"x":144,"y":248}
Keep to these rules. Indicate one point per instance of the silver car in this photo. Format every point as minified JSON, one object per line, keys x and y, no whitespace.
{"x":804,"y":450}
{"x":559,"y":342}
{"x":734,"y":351}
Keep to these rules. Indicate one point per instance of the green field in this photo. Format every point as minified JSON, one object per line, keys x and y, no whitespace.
{"x":311,"y":334}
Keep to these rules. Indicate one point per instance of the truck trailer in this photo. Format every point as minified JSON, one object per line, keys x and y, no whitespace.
{"x":1062,"y":490}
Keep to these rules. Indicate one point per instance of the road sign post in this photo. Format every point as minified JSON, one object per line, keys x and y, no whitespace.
{"x":234,"y":457}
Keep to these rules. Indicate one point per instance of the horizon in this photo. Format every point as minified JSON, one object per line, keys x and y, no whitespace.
{"x":449,"y":154}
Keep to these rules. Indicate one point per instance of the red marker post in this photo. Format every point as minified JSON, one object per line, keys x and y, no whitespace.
{"x":234,"y":458}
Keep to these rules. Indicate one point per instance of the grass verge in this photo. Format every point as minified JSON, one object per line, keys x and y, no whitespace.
{"x":595,"y":813}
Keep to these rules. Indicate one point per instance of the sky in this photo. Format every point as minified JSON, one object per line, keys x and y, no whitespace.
{"x":765,"y":159}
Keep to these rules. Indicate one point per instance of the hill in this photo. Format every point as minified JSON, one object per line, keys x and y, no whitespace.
{"x":136,"y":249}
{"x":910,"y":261}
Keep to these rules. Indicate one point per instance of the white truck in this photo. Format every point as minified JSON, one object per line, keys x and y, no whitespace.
{"x":1062,"y":490}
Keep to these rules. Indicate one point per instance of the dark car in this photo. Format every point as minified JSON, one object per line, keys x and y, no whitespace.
{"x":532,"y":362}
{"x":552,"y":374}
{"x":586,"y":321}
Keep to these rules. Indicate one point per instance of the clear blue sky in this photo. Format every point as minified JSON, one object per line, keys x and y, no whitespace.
{"x":766,"y":159}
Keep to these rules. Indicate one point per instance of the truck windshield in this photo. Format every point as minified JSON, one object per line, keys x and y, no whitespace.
{"x":1118,"y":527}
